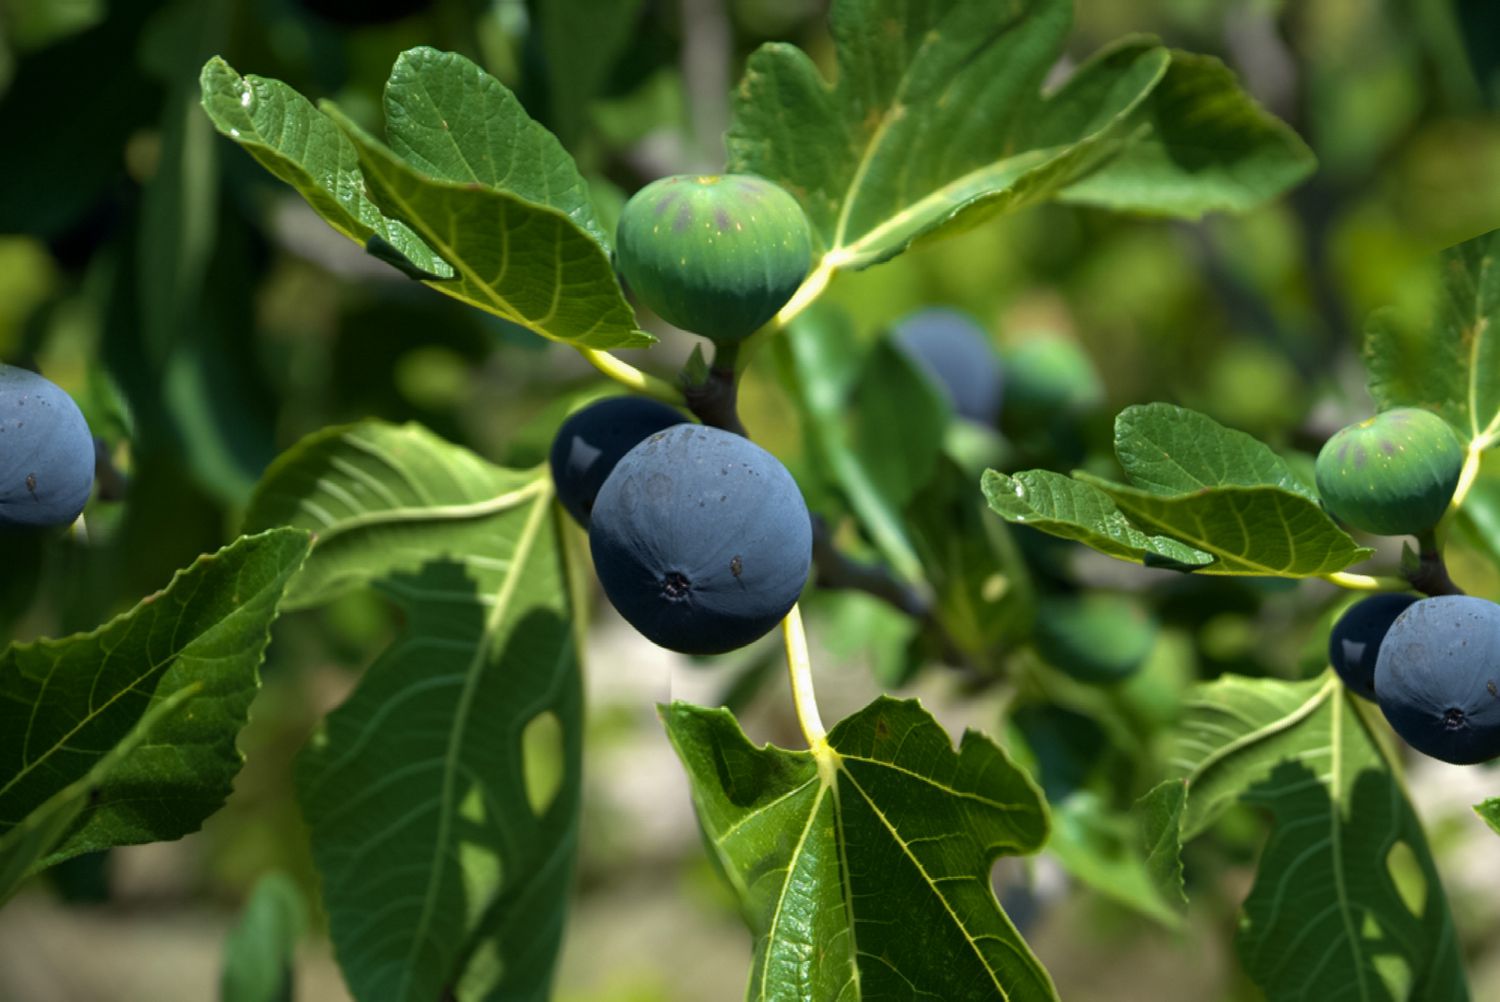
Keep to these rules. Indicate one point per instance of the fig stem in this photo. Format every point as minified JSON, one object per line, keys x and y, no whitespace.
{"x":799,"y":668}
{"x":715,"y":400}
{"x":1430,"y":573}
{"x":79,"y":531}
{"x":1366,"y":582}
{"x":628,"y":375}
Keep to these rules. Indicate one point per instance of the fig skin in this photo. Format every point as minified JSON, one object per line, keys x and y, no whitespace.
{"x":46,"y":453}
{"x":1437,"y":678}
{"x":593,"y":440}
{"x":717,"y":255}
{"x":1354,"y":644}
{"x":701,"y":539}
{"x":1392,"y":474}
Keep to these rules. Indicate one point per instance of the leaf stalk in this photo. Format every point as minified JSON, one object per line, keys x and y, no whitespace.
{"x":799,"y":668}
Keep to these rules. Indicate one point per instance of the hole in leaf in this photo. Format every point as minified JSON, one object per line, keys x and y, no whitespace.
{"x":542,"y":760}
{"x":1406,"y":873}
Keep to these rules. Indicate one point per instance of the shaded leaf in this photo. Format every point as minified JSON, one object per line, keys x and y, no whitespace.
{"x":820,"y":363}
{"x":261,"y":947}
{"x":1451,"y":366}
{"x":443,"y":794}
{"x":582,"y":39}
{"x":294,"y":141}
{"x":1071,"y":509}
{"x":1346,"y":898}
{"x":25,"y":845}
{"x":898,"y":417}
{"x":1159,"y":814}
{"x":864,"y":867}
{"x":1207,"y":147}
{"x":1100,"y":848}
{"x":64,"y":704}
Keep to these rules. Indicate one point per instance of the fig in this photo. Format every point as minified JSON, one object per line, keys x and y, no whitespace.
{"x":1392,"y":474}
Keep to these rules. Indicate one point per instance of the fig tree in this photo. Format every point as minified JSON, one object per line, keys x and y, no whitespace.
{"x":701,"y":539}
{"x":717,"y":255}
{"x":1437,"y":678}
{"x":46,"y":452}
{"x":952,"y":350}
{"x":1355,"y":641}
{"x":592,"y":440}
{"x":1392,"y":474}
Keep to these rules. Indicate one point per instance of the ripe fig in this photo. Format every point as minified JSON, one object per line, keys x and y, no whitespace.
{"x":952,"y":350}
{"x":1437,"y":678}
{"x":1392,"y":474}
{"x":1355,"y":641}
{"x":592,"y":440}
{"x":701,"y":539}
{"x":46,"y":453}
{"x":717,"y":255}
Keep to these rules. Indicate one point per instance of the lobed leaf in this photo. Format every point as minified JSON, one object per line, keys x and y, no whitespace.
{"x":863,"y":866}
{"x":1166,"y":449}
{"x":1204,"y":146}
{"x":68,"y":706}
{"x":1452,"y":366}
{"x":1347,"y":900}
{"x":1489,"y":813}
{"x":443,"y":794}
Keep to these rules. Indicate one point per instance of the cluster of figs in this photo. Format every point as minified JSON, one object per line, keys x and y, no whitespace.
{"x":701,"y":539}
{"x":1432,"y":664}
{"x":46,"y":453}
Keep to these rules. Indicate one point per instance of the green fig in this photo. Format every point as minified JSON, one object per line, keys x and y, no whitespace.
{"x":1392,"y":474}
{"x":717,"y":255}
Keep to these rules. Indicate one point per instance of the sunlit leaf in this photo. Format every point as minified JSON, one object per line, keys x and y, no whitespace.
{"x":1062,"y":506}
{"x":294,"y":141}
{"x":864,"y":867}
{"x":65,"y":704}
{"x":443,"y":794}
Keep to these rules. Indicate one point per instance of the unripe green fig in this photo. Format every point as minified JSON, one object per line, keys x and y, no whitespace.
{"x":717,"y":255}
{"x":1392,"y":474}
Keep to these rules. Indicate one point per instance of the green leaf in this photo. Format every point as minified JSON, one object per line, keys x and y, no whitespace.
{"x":443,"y":794}
{"x":820,"y":360}
{"x":898,"y":420}
{"x":1159,"y":814}
{"x":935,"y":119}
{"x":1346,"y":898}
{"x":1101,"y":848}
{"x":1263,"y":531}
{"x":452,"y":121}
{"x":1070,"y":509}
{"x":297,"y":143}
{"x":1489,"y":812}
{"x":64,"y":704}
{"x":1171,"y":450}
{"x":1206,"y":147}
{"x":1217,"y":490}
{"x":1451,"y":366}
{"x":260,"y":950}
{"x":37,"y":835}
{"x":863,"y":868}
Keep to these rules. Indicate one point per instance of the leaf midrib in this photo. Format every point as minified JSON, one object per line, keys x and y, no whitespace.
{"x":506,"y":594}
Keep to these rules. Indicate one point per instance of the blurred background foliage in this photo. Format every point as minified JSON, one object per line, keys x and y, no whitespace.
{"x":205,"y":320}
